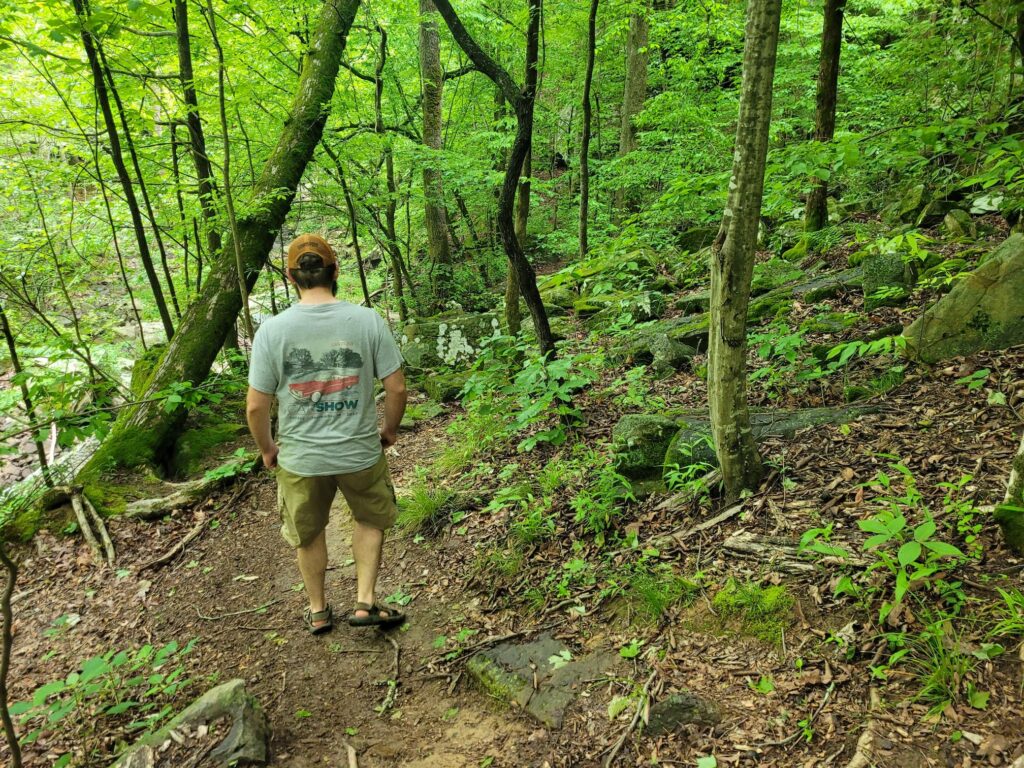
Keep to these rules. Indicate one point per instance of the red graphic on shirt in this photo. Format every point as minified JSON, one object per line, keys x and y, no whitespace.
{"x":315,"y":389}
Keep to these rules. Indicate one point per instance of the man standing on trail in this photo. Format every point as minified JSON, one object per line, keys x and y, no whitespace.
{"x":319,"y":358}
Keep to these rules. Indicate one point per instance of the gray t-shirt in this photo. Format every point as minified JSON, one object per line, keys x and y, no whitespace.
{"x":320,"y":361}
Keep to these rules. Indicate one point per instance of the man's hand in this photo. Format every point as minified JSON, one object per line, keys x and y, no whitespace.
{"x":270,"y":458}
{"x":387,"y":439}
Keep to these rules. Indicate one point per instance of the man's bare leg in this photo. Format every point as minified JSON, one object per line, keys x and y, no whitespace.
{"x":367,"y":543}
{"x":313,"y":567}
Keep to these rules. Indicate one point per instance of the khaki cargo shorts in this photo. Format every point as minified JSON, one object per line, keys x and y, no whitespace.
{"x":305,"y":502}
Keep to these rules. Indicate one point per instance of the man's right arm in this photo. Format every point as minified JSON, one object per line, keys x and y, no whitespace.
{"x":257,"y":414}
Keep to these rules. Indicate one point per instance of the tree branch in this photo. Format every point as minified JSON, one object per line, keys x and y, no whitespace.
{"x":479,"y":57}
{"x":460,"y":72}
{"x":357,"y":73}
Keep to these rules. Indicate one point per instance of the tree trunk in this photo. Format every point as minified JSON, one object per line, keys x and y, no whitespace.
{"x":394,"y":251}
{"x":1010,"y":514}
{"x":816,"y":216}
{"x":523,"y":103}
{"x":732,"y":257}
{"x":585,"y":140}
{"x":26,"y":396}
{"x":197,"y":141}
{"x":143,"y":433}
{"x":5,"y":654}
{"x":513,"y":317}
{"x":434,"y":212}
{"x":634,"y":94}
{"x":122,"y":171}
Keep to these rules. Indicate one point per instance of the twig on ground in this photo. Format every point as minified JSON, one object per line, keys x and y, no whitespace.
{"x":862,"y":755}
{"x":632,"y":725}
{"x":797,"y":734}
{"x":177,"y":548}
{"x":350,"y":751}
{"x":257,"y":609}
{"x":392,"y":694}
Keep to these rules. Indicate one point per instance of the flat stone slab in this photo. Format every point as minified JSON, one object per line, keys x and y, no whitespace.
{"x":679,"y":709}
{"x":540,"y":677}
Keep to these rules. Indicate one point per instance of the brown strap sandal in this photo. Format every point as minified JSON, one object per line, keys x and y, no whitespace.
{"x":312,"y":619}
{"x":376,"y":616}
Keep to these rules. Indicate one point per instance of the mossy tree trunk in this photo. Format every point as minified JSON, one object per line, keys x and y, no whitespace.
{"x":816,"y":215}
{"x":435,"y":215}
{"x":732,"y":256}
{"x":634,"y":93}
{"x":143,"y":433}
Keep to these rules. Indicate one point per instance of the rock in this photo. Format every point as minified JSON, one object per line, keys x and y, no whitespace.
{"x":448,"y":340}
{"x":787,"y":235}
{"x":560,"y":296}
{"x":643,"y":306}
{"x":541,"y":677}
{"x":985,"y":310}
{"x":646,"y":445}
{"x":887,"y":280}
{"x":246,"y":742}
{"x":696,"y":238}
{"x":828,"y":285}
{"x":1011,"y":522}
{"x":691,"y":445}
{"x":958,"y":224}
{"x":694,"y":301}
{"x":684,"y":708}
{"x":912,"y":203}
{"x":772,"y":274}
{"x":933,"y":213}
{"x":639,"y":443}
{"x":445,"y":387}
{"x":664,"y":354}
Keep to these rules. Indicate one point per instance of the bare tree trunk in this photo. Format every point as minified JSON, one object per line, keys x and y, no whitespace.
{"x":353,"y":222}
{"x":732,"y":257}
{"x":229,"y":202}
{"x":585,"y":140}
{"x":197,"y":141}
{"x":634,"y":94}
{"x":180,"y":200}
{"x":26,"y":397}
{"x":144,"y":432}
{"x":825,"y":118}
{"x":523,"y":103}
{"x":434,"y":212}
{"x":393,"y":248}
{"x":5,"y":654}
{"x":122,"y":171}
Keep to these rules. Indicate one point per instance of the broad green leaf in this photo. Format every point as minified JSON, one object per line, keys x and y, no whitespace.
{"x":909,"y":552}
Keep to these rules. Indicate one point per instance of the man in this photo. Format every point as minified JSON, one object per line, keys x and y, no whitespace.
{"x":319,"y":358}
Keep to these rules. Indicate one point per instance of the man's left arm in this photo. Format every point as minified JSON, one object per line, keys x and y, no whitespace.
{"x":395,"y":398}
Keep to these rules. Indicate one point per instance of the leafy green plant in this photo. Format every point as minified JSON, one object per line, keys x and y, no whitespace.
{"x":129,"y":689}
{"x":242,"y":462}
{"x":598,"y":502}
{"x":1010,"y":615}
{"x":425,"y":506}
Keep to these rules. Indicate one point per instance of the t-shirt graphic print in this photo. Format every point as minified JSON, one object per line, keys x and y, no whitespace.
{"x":315,"y":378}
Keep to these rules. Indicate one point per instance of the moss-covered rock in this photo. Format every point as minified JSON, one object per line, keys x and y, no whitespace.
{"x":445,"y":387}
{"x":694,"y":301}
{"x":912,"y":203}
{"x":643,"y":306}
{"x":773,"y":274}
{"x":639,"y":443}
{"x":448,"y":340}
{"x":1011,"y":522}
{"x":887,"y":280}
{"x":985,"y":310}
{"x":696,"y":238}
{"x":958,"y":225}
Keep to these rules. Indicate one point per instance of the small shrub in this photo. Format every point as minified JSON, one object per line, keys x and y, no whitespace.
{"x":425,"y":508}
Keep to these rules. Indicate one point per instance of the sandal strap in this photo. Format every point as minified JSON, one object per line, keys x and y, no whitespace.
{"x":319,"y":615}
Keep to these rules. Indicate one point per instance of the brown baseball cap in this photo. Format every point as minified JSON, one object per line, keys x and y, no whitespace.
{"x":312,"y":244}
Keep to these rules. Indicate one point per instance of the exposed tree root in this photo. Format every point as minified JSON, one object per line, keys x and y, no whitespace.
{"x":94,"y":531}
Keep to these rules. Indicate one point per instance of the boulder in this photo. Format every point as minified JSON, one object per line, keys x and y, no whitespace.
{"x":772,"y":274}
{"x":696,"y":238}
{"x":694,"y":301}
{"x":639,"y":443}
{"x":664,"y":354}
{"x":448,"y":340}
{"x":887,"y":280}
{"x":541,"y":677}
{"x":959,"y":225}
{"x":445,"y":387}
{"x":245,"y":744}
{"x":912,"y":203}
{"x":644,"y":305}
{"x":985,"y":310}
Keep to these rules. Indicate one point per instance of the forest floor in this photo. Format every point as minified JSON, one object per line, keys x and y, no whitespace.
{"x":805,"y":701}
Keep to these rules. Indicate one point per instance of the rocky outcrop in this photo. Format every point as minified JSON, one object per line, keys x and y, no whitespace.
{"x":985,"y":310}
{"x":449,"y":340}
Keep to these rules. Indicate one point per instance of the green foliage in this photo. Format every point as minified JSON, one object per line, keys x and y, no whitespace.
{"x":127,"y":690}
{"x":426,"y":506}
